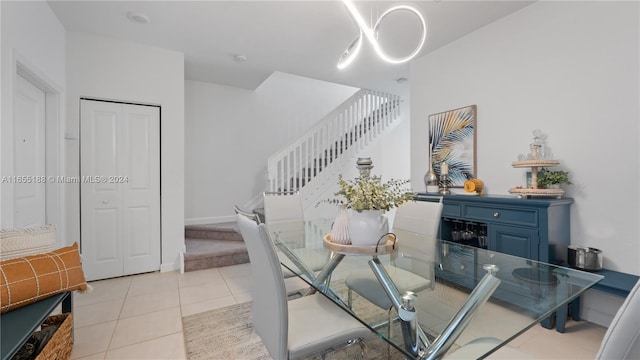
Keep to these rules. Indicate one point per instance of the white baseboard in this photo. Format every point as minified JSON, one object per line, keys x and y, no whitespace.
{"x":210,"y":220}
{"x":598,"y":307}
{"x":169,"y":267}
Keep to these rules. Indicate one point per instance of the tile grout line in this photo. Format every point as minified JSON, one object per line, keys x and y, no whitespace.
{"x":118,"y":319}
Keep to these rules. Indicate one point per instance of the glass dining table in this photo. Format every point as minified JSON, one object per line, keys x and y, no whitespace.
{"x":476,"y":293}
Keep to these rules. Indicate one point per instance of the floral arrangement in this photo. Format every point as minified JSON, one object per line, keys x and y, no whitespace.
{"x":370,"y":193}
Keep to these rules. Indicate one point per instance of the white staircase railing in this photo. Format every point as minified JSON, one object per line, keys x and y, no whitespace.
{"x":325,"y":148}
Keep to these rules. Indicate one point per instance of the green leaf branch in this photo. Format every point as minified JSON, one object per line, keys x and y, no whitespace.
{"x":370,"y":193}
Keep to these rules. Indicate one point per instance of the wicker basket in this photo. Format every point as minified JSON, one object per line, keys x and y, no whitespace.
{"x":61,"y":343}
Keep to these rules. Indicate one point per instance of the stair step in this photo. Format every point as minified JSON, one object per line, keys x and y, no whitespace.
{"x":211,"y":253}
{"x":220,"y":231}
{"x":213,"y":245}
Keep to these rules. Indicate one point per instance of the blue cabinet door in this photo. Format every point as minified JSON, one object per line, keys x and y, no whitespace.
{"x":513,"y":240}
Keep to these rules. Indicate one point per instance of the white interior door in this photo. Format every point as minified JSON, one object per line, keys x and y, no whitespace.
{"x":29,"y":155}
{"x":120,"y":188}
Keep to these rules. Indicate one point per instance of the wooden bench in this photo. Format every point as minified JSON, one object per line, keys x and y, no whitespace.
{"x":17,"y":326}
{"x":614,"y":282}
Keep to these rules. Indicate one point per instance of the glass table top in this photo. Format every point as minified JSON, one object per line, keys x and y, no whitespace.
{"x":511,"y":293}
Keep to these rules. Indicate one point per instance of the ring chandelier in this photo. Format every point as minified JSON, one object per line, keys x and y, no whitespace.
{"x":371,"y":34}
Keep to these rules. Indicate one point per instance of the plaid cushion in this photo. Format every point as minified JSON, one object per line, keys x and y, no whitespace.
{"x":28,"y":279}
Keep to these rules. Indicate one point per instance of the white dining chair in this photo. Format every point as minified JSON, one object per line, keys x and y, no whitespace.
{"x":284,"y":211}
{"x":622,"y":339}
{"x":285,"y":206}
{"x":300,"y":327}
{"x":250,"y":215}
{"x":295,"y":286}
{"x":408,"y":273}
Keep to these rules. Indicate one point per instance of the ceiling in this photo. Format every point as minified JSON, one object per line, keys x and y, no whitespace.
{"x":298,"y":37}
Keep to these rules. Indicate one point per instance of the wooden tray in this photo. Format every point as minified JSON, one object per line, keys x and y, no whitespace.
{"x":349,"y":249}
{"x":537,"y":192}
{"x":536,"y":163}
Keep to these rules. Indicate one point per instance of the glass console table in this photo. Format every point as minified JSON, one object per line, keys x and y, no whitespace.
{"x":477,"y":293}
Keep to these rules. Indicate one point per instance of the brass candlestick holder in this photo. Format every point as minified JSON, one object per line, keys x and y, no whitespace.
{"x":444,"y":187}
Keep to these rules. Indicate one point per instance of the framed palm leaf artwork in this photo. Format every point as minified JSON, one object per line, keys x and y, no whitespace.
{"x":452,"y":140}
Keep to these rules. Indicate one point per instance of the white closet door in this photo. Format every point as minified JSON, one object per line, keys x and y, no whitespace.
{"x":141,"y":191}
{"x":120,"y":188}
{"x":29,"y":155}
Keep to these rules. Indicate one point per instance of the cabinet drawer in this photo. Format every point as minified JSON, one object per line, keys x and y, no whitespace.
{"x":451,"y":210}
{"x":504,"y":215}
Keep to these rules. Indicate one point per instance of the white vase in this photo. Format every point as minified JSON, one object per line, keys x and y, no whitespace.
{"x":340,"y":227}
{"x":367,"y":227}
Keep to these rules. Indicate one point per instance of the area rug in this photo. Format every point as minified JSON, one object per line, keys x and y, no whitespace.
{"x":227,"y":333}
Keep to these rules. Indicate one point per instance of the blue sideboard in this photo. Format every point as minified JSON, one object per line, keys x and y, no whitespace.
{"x":537,"y":229}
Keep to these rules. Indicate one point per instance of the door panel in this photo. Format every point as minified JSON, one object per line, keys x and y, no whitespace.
{"x":120,"y":168}
{"x":101,"y":224}
{"x":142,"y":188}
{"x":103,"y":148}
{"x":105,"y":256}
{"x":139,"y":145}
{"x":29,"y":156}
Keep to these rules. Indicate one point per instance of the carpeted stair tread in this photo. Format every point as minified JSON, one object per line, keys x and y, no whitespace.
{"x":197,"y":248}
{"x":213,"y":245}
{"x":220,"y":231}
{"x":207,"y":254}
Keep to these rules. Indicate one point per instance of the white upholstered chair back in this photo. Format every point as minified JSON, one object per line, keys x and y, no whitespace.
{"x":283,"y":213}
{"x":422,"y":217}
{"x":414,"y":261}
{"x":317,"y":324}
{"x":622,"y":339}
{"x":419,"y":216}
{"x":270,"y":312}
{"x":282,"y":207}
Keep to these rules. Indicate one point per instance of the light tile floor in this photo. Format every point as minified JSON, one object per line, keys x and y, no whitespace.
{"x":139,"y":317}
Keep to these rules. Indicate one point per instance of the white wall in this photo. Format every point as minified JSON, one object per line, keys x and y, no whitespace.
{"x":32,"y":35}
{"x":105,"y":68}
{"x":570,"y":69}
{"x":231,"y":132}
{"x":223,"y":167}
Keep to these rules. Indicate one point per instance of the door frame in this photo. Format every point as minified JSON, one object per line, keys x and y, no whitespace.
{"x":54,"y":146}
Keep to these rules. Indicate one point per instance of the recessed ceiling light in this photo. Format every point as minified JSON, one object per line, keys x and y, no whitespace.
{"x":239,"y":58}
{"x":138,"y":17}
